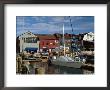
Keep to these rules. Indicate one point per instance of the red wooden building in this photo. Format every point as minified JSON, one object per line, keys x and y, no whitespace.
{"x":48,"y":42}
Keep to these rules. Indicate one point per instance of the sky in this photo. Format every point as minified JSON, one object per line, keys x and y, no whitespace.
{"x":54,"y":24}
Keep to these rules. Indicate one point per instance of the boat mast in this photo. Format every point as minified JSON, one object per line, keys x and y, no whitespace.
{"x":23,"y":38}
{"x":63,"y":39}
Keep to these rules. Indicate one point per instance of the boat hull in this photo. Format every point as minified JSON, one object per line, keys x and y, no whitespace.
{"x":68,"y":64}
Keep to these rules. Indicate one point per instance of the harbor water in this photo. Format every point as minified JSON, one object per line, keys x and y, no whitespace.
{"x":55,"y":69}
{"x":65,"y":70}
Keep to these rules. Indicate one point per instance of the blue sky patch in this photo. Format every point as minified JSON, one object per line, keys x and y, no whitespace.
{"x":54,"y":24}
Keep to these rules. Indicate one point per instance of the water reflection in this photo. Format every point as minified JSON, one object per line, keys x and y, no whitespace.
{"x":55,"y":69}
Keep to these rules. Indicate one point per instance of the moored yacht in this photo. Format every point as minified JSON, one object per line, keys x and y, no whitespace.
{"x":75,"y":62}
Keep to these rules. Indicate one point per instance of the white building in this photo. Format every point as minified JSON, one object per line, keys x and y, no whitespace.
{"x":28,"y":42}
{"x":89,"y":37}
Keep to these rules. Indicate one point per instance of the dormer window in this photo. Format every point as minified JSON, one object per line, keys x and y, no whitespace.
{"x":29,"y":33}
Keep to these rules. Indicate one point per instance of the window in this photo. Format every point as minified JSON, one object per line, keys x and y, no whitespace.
{"x":31,"y":40}
{"x":42,"y":43}
{"x":53,"y":43}
{"x":47,"y":43}
{"x":24,"y":39}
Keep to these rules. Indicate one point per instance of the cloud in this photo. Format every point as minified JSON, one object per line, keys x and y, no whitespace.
{"x":87,"y":25}
{"x":23,"y":24}
{"x":19,"y":18}
{"x":41,"y":27}
{"x":58,"y":19}
{"x":51,"y":24}
{"x":39,"y":18}
{"x":50,"y":28}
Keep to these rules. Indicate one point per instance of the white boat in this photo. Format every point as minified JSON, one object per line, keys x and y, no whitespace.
{"x":68,"y":62}
{"x":75,"y":62}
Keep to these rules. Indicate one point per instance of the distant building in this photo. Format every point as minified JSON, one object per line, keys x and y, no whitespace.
{"x":48,"y":42}
{"x":17,"y":45}
{"x":89,"y":37}
{"x":88,"y":41}
{"x":28,"y":42}
{"x":68,"y":38}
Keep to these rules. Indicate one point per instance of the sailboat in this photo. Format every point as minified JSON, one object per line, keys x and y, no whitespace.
{"x":75,"y":62}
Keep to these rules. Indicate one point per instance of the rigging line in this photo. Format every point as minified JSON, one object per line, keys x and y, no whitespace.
{"x":71,"y":27}
{"x":71,"y":23}
{"x":71,"y":36}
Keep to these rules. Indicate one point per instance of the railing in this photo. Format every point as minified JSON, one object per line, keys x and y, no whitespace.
{"x":87,"y":52}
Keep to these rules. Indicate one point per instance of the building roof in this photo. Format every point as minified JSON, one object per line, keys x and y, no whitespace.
{"x":46,"y":37}
{"x":89,"y":36}
{"x":26,"y":34}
